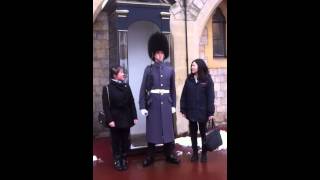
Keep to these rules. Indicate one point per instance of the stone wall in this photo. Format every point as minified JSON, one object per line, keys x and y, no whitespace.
{"x":219,"y":77}
{"x":100,"y":66}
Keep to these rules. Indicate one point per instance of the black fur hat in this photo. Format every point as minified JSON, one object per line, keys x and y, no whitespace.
{"x":158,"y":41}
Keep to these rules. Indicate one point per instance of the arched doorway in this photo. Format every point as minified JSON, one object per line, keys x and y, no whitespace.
{"x":138,"y":35}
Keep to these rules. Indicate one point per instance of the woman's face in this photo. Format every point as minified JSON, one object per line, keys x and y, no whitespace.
{"x":120,"y":76}
{"x":194,"y":68}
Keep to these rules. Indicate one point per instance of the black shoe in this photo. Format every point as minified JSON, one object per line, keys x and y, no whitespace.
{"x":195,"y":156}
{"x":173,"y":159}
{"x":117,"y":165}
{"x":148,"y":161}
{"x":124,"y":164}
{"x":204,"y":157}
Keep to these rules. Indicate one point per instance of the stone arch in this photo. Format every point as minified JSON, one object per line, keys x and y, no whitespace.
{"x":98,"y":5}
{"x":206,"y":13}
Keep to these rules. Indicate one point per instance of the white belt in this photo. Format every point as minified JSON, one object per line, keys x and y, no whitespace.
{"x":159,"y":91}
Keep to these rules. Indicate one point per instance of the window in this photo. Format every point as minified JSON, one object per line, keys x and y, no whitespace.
{"x":219,"y":34}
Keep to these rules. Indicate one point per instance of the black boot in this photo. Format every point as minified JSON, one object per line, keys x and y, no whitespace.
{"x":194,"y":142}
{"x":150,"y":155}
{"x":148,"y":161}
{"x":124,"y":162}
{"x":204,"y":153}
{"x":118,"y":165}
{"x":172,"y":159}
{"x":204,"y":147}
{"x":194,"y":157}
{"x":204,"y":156}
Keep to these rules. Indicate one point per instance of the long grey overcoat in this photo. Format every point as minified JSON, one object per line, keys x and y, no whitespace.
{"x":159,"y":122}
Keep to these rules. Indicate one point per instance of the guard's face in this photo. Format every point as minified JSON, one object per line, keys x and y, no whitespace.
{"x":159,"y":56}
{"x":194,"y":68}
{"x":120,"y":76}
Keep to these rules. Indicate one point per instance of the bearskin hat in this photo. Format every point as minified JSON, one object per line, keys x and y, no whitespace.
{"x":158,"y":41}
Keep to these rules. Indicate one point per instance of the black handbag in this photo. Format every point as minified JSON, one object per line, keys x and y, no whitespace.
{"x":102,"y":119}
{"x":101,"y":116}
{"x":213,"y":138}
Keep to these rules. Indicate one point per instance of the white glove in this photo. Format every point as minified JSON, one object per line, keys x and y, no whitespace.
{"x":173,"y":110}
{"x":144,"y":112}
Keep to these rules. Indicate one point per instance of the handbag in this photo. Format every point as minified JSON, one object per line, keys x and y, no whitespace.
{"x":102,"y":119}
{"x":101,"y":116}
{"x":213,"y":138}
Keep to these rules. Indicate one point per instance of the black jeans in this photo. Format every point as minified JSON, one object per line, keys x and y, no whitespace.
{"x":120,"y":142}
{"x":193,"y":127}
{"x":168,"y":149}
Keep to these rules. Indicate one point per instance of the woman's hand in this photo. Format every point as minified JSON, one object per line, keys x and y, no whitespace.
{"x":135,"y":121}
{"x":111,"y":124}
{"x":210,"y":118}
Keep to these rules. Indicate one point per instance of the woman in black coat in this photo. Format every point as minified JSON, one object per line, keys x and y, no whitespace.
{"x":119,"y":108}
{"x":197,"y":104}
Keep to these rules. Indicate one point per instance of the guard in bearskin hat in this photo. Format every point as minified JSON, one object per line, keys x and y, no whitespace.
{"x":157,"y":100}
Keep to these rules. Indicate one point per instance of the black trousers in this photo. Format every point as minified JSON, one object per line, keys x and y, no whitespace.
{"x":120,"y":141}
{"x":167,"y":149}
{"x":193,"y":127}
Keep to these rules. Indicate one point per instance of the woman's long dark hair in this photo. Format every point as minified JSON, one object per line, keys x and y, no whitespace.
{"x":202,"y":70}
